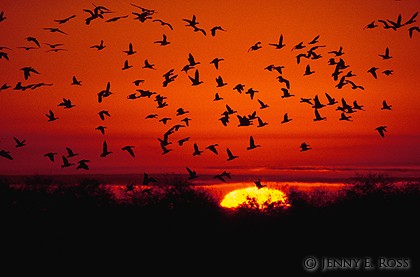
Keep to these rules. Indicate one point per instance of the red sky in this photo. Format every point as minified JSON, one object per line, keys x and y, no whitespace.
{"x":335,"y":143}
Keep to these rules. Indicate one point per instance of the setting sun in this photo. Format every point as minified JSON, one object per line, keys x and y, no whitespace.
{"x":262,"y":197}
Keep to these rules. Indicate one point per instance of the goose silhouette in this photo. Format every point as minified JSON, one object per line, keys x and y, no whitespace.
{"x":255,"y":47}
{"x":345,"y":117}
{"x":66,"y":162}
{"x":230,"y":155}
{"x":252,"y":144}
{"x":304,"y":147}
{"x":213,"y":148}
{"x":196,"y":80}
{"x":126,"y":65}
{"x":50,"y":155}
{"x":318,"y":116}
{"x":163,"y":23}
{"x":258,"y":184}
{"x":70,"y":153}
{"x":164,"y":41}
{"x":280,"y":43}
{"x":130,"y":50}
{"x":219,"y":81}
{"x":197,"y":152}
{"x":286,"y":118}
{"x":51,"y":116}
{"x":385,"y":106}
{"x":129,"y":149}
{"x":183,"y":140}
{"x":192,"y":173}
{"x":191,"y":60}
{"x":216,"y":28}
{"x":64,"y":20}
{"x":239,"y":88}
{"x":5,"y":154}
{"x":331,"y":100}
{"x":82,"y":164}
{"x":385,"y":56}
{"x":19,"y":143}
{"x":147,"y":179}
{"x":76,"y":82}
{"x":103,"y":113}
{"x":262,"y":104}
{"x":216,"y":62}
{"x":381,"y":130}
{"x":99,"y":46}
{"x":105,"y":151}
{"x":261,"y":123}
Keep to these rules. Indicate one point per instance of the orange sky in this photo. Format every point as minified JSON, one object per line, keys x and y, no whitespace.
{"x":335,"y":143}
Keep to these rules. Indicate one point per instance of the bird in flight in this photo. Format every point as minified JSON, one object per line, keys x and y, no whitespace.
{"x":258,"y":184}
{"x":219,"y":81}
{"x":230,"y":155}
{"x":34,"y":40}
{"x":82,"y":164}
{"x":412,"y":29}
{"x":216,"y":28}
{"x":385,"y":56}
{"x":66,"y":103}
{"x":101,"y":129}
{"x":99,"y":46}
{"x":262,"y":104}
{"x":370,"y":25}
{"x":164,"y":41}
{"x":196,"y":150}
{"x":19,"y":143}
{"x":51,"y":116}
{"x":116,"y":18}
{"x":70,"y":153}
{"x":55,"y":30}
{"x":147,"y":179}
{"x":64,"y":20}
{"x":304,"y":147}
{"x":66,"y":162}
{"x":216,"y":61}
{"x":252,"y":144}
{"x":183,"y":140}
{"x":102,"y":114}
{"x":318,"y":116}
{"x":196,"y":80}
{"x":27,"y":71}
{"x":163,"y":23}
{"x":130,"y":50}
{"x":126,"y":65}
{"x":385,"y":106}
{"x":50,"y":155}
{"x":255,"y":47}
{"x":129,"y":149}
{"x":213,"y":148}
{"x":2,"y":17}
{"x":372,"y":71}
{"x":5,"y":154}
{"x":105,"y":151}
{"x":148,"y":65}
{"x":75,"y":81}
{"x":280,"y":44}
{"x":192,"y":173}
{"x":381,"y":130}
{"x":286,"y":118}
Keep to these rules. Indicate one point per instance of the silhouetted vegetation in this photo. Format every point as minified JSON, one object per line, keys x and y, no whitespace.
{"x":373,"y":213}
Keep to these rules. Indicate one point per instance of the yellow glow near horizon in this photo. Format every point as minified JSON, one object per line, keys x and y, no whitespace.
{"x":264,"y":195}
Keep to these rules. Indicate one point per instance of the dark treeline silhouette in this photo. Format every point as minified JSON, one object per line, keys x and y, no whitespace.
{"x":371,"y":216}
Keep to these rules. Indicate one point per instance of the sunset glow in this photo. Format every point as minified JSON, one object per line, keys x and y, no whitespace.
{"x":263,"y":196}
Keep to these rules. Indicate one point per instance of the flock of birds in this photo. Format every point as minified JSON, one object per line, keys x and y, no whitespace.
{"x":341,"y":74}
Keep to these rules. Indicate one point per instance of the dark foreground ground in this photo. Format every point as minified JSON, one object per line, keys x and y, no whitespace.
{"x":178,"y":231}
